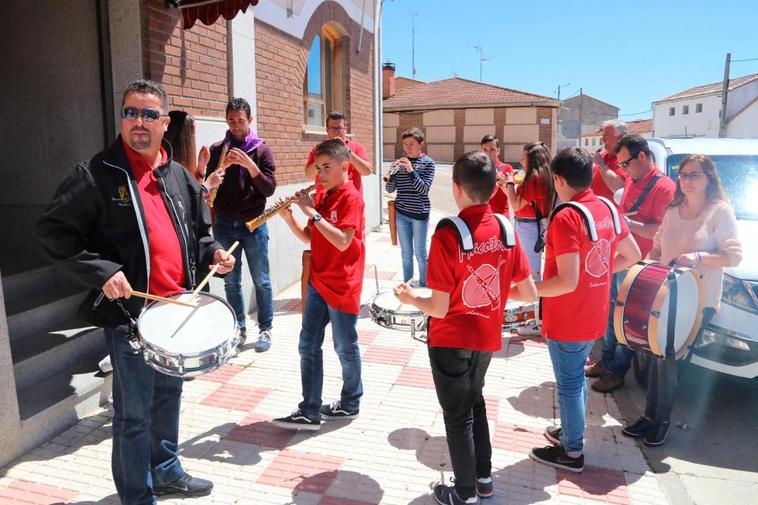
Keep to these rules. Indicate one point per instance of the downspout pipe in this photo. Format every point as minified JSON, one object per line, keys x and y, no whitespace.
{"x":378,"y":122}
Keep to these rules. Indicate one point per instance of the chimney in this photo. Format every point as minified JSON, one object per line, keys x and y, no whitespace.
{"x":388,"y":80}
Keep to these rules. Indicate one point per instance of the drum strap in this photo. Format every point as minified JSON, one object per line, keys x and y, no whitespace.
{"x":589,"y":221}
{"x":131,"y":335}
{"x":671,"y":323}
{"x":466,"y":240}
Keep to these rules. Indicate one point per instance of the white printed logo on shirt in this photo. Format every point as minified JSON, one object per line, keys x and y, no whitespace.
{"x":598,"y":261}
{"x":482,"y":287}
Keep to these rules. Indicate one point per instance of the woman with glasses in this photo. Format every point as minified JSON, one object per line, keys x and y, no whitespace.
{"x":699,"y":230}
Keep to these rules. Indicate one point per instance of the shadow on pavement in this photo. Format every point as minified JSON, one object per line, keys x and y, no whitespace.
{"x":430,"y":451}
{"x":351,"y":487}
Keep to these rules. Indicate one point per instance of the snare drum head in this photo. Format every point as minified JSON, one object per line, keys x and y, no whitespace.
{"x":688,"y":309}
{"x":388,"y":302}
{"x":185,"y":330}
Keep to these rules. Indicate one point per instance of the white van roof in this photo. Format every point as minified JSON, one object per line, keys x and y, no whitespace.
{"x":709,"y":146}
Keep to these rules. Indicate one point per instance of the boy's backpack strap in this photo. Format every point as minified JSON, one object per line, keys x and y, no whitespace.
{"x":584,"y":212}
{"x":614,"y":214}
{"x":465,"y":239}
{"x":507,"y":233}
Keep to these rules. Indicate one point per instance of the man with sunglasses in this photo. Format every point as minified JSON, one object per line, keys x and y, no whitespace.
{"x":359,"y":166}
{"x":647,"y":194}
{"x":132,"y":217}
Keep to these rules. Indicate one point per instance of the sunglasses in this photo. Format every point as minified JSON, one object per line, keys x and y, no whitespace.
{"x":690,"y":176}
{"x":147,"y":115}
{"x":625,"y":164}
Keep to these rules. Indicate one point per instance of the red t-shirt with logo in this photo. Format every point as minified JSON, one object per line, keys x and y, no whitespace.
{"x":581,"y":315}
{"x":478,"y":282}
{"x":499,"y":201}
{"x":653,"y":207}
{"x":533,"y":190}
{"x":599,"y":187}
{"x":166,"y":263}
{"x":352,"y":174}
{"x":338,"y":275}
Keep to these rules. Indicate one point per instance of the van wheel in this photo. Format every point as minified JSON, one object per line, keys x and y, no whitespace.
{"x":641,"y":363}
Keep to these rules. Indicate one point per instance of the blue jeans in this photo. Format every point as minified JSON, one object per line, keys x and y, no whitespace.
{"x":316,"y":315}
{"x":255,"y":245}
{"x":412,"y":236}
{"x":527,"y":235}
{"x":568,"y":366}
{"x":145,"y":423}
{"x":615,"y":358}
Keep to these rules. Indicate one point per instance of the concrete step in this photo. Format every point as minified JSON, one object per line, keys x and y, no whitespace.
{"x":52,"y":405}
{"x":46,"y":353}
{"x":43,"y":310}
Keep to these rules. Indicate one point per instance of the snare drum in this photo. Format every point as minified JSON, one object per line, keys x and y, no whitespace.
{"x":387,"y":311}
{"x":183,"y":341}
{"x":641,"y":314}
{"x":517,"y":314}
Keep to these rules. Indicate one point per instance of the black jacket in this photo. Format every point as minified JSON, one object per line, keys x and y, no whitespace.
{"x":95,"y":226}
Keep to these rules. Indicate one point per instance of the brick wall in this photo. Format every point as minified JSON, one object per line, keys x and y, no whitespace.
{"x":192,"y":64}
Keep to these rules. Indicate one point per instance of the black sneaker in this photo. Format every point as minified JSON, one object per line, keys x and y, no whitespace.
{"x":185,"y":485}
{"x":335,"y":411}
{"x":638,"y":429}
{"x":553,"y":434}
{"x":447,"y":495}
{"x":656,"y":435}
{"x":297,"y":421}
{"x":555,"y":456}
{"x":485,"y":487}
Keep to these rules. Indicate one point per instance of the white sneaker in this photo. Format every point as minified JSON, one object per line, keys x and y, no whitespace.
{"x":529,"y":330}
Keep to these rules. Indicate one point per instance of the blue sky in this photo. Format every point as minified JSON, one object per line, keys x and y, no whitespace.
{"x":625,"y":53}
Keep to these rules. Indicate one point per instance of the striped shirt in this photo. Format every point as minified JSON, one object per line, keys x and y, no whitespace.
{"x":413,"y":188}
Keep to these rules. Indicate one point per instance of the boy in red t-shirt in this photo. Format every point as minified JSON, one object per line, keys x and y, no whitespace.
{"x":575,"y":294}
{"x":335,"y":233}
{"x":469,"y":291}
{"x":499,"y":199}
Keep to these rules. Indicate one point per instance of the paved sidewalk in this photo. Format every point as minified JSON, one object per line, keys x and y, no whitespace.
{"x":391,"y":455}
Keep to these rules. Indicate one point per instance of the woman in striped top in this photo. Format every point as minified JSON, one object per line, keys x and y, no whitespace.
{"x":411,"y":176}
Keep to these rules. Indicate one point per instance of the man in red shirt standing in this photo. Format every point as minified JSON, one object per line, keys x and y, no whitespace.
{"x":647,"y":194}
{"x":469,"y":291}
{"x":607,"y":176}
{"x":499,"y":199}
{"x":335,"y":232}
{"x":359,"y":166}
{"x":575,"y":289}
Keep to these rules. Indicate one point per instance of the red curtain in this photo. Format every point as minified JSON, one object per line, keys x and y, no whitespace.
{"x":208,"y":11}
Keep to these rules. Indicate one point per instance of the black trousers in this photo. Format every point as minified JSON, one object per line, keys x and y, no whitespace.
{"x":459,"y":379}
{"x":662,"y":381}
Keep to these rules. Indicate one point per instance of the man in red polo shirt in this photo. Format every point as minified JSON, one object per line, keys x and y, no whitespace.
{"x":499,"y":199}
{"x":335,"y":232}
{"x":575,"y":298}
{"x":359,"y":165}
{"x":607,"y":176}
{"x":469,"y":291}
{"x":647,"y":193}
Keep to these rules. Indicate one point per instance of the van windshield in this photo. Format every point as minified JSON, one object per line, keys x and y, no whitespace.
{"x":739,"y":177}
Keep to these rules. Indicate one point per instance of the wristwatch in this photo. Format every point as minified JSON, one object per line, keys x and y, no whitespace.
{"x":316,"y":218}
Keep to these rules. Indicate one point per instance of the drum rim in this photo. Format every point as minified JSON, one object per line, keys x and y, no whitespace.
{"x":623,"y":293}
{"x":374,"y":306}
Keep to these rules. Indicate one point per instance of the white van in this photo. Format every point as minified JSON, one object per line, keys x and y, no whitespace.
{"x":729,"y":343}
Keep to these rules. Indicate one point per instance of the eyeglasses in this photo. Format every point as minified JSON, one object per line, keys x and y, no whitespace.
{"x":147,"y":115}
{"x":336,"y":128}
{"x":690,"y":176}
{"x":625,"y":164}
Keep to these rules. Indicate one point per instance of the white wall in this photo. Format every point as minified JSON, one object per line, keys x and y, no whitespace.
{"x":745,"y":124}
{"x":701,"y":124}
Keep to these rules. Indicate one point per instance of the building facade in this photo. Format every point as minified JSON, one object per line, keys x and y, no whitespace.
{"x":582,"y":114}
{"x":593,"y":141}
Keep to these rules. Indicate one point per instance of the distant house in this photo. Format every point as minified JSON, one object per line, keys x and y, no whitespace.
{"x":594,"y":139}
{"x":582,"y":114}
{"x":696,"y":112}
{"x":456,"y":113}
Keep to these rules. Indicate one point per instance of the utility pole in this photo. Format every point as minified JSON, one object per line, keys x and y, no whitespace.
{"x":724,"y":92}
{"x":482,"y":59}
{"x":559,"y":89}
{"x":413,"y":43}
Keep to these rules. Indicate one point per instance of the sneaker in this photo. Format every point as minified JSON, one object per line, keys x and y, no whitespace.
{"x":555,"y":456}
{"x":553,"y":434}
{"x":297,"y":421}
{"x":264,"y":341}
{"x":656,"y":435}
{"x":447,"y":495}
{"x":607,"y":383}
{"x":485,"y":487}
{"x":595,"y":370}
{"x":529,"y":330}
{"x":185,"y":485}
{"x":638,"y":429}
{"x":242,"y":338}
{"x":335,"y":411}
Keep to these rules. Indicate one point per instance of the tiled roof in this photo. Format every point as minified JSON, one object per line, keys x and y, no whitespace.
{"x":639,"y":126}
{"x":458,"y":92}
{"x":710,"y":88}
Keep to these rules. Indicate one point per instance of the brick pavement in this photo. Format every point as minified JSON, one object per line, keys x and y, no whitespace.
{"x":391,"y":455}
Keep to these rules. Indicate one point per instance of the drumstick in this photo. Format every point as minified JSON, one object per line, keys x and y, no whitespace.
{"x":213,"y":271}
{"x":148,"y":296}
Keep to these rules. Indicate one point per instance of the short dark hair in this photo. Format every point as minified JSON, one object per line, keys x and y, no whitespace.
{"x":334,"y":148}
{"x":635,"y":144}
{"x":335,"y":115}
{"x":146,"y":87}
{"x":574,"y":164}
{"x":489,"y":138}
{"x":416,"y":133}
{"x":475,"y":174}
{"x":239,"y":104}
